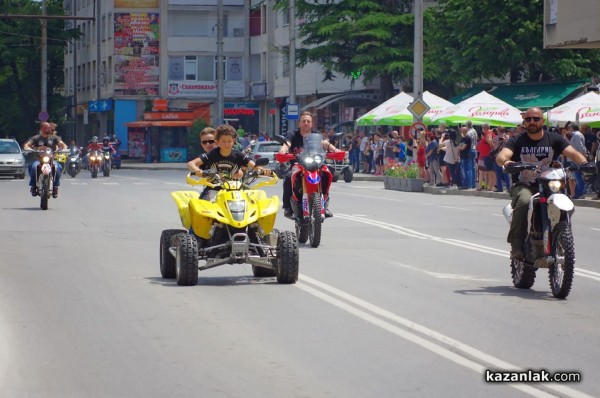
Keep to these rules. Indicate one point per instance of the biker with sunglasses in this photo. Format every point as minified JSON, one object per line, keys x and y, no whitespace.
{"x":533,"y":146}
{"x":207,"y":141}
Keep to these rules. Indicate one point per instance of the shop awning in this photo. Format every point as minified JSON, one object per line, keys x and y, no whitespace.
{"x":318,"y":102}
{"x":160,"y":123}
{"x":543,"y":95}
{"x":330,"y":99}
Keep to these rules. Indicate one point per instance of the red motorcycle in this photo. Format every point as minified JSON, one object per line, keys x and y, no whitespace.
{"x":308,"y":202}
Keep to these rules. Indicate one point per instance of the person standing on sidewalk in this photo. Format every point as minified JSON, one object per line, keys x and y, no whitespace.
{"x":577,"y":141}
{"x":472,"y":133}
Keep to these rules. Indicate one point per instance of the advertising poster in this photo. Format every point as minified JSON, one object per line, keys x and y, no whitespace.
{"x":136,"y":41}
{"x":136,"y":3}
{"x":137,"y":144}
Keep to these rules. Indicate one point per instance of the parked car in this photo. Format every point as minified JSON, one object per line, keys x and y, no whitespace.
{"x":265,"y":149}
{"x":12,"y":161}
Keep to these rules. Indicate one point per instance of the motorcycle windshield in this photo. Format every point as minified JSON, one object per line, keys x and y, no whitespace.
{"x":313,"y":145}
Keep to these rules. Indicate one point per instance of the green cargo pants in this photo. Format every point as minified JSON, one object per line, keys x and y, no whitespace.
{"x":521,"y":195}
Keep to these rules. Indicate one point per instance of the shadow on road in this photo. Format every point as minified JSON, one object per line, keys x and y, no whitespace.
{"x":245,"y":280}
{"x":509,"y":291}
{"x":23,"y":208}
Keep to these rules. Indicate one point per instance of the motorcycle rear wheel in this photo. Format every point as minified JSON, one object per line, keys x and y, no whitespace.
{"x":186,"y":263}
{"x":167,"y":261}
{"x":561,"y":272}
{"x":289,"y":258}
{"x":314,"y":229}
{"x":44,"y":193}
{"x":523,"y":276}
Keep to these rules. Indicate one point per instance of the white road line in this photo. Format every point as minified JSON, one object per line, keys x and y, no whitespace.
{"x":141,"y":183}
{"x":373,"y":197}
{"x":110,"y":183}
{"x":440,"y":275}
{"x":439,"y":344}
{"x":595,"y":229}
{"x":454,"y":242}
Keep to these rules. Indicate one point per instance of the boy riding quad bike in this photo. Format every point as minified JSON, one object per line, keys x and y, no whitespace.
{"x":234,"y":227}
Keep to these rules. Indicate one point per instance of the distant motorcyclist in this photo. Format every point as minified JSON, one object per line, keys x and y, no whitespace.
{"x":295,"y":144}
{"x":40,"y":142}
{"x":533,"y":146}
{"x":107,"y":145}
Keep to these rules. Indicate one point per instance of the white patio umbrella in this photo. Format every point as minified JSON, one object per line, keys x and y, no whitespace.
{"x":584,"y":110}
{"x":479,"y":109}
{"x":403,"y":117}
{"x":397,"y":102}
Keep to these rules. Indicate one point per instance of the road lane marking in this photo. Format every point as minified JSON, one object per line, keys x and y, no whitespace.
{"x":373,"y":197}
{"x":438,"y":343}
{"x":441,"y":275}
{"x":110,"y":183}
{"x":595,"y":229}
{"x":454,"y":242}
{"x":141,"y":183}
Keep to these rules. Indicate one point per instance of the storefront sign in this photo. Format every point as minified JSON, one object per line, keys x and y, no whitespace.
{"x":169,"y":116}
{"x":231,"y":89}
{"x":173,"y":155}
{"x":258,"y":91}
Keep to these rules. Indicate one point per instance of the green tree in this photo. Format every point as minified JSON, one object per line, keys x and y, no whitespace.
{"x":372,"y":37}
{"x":20,"y":70}
{"x":470,"y":40}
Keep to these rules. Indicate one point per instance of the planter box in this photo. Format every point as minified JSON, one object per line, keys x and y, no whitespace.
{"x":403,"y":184}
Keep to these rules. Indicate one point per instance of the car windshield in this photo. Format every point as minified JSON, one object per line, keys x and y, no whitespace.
{"x":274,"y":147}
{"x":9,"y":147}
{"x":313,"y":145}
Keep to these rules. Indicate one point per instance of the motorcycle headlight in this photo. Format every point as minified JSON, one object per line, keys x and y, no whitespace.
{"x":318,"y":159}
{"x":92,"y":158}
{"x":237,"y":209}
{"x":308,"y":160}
{"x":74,"y":159}
{"x":555,"y":186}
{"x":106,"y":156}
{"x":46,"y":159}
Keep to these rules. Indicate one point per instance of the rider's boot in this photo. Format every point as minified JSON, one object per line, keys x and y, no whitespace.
{"x":34,"y":191}
{"x":328,"y":213}
{"x":54,"y":191}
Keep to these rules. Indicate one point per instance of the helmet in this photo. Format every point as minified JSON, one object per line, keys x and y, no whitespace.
{"x":94,"y":139}
{"x":105,"y":140}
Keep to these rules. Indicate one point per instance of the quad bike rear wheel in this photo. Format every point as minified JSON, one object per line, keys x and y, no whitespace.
{"x":167,"y":261}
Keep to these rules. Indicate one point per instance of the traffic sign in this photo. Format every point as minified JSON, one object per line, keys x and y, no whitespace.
{"x":417,"y":126}
{"x":418,"y":108}
{"x":43,"y":116}
{"x":293,"y":110}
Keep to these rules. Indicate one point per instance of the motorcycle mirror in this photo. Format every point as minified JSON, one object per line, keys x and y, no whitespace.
{"x":588,"y":168}
{"x":261,"y":162}
{"x":281,"y":139}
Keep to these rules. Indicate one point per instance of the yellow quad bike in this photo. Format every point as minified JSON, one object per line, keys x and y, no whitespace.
{"x":235,"y":227}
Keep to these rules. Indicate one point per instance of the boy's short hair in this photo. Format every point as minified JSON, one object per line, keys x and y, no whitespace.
{"x":206,"y":131}
{"x":224,"y":130}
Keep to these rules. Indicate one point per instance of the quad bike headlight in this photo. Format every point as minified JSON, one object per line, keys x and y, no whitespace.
{"x":237,"y":209}
{"x":555,"y":186}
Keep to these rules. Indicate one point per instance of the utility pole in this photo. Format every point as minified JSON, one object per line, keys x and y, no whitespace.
{"x":418,"y":56}
{"x":44,"y":66}
{"x":292,"y":63}
{"x":220,"y":77}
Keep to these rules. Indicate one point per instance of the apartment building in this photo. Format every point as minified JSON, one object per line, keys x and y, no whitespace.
{"x":143,"y":70}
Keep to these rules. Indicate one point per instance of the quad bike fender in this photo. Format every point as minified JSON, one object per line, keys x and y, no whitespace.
{"x":182,"y":199}
{"x":267,"y":213}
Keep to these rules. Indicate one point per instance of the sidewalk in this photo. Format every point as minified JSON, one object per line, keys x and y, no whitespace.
{"x":587,"y":202}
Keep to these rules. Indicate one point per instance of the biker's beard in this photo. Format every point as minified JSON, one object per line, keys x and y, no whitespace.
{"x":531,"y":128}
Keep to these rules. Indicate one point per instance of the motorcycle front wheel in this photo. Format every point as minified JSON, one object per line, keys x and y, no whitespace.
{"x":314,"y":230}
{"x":561,"y":271}
{"x":44,"y":193}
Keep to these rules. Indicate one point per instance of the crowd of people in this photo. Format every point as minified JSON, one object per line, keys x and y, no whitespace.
{"x":461,"y":157}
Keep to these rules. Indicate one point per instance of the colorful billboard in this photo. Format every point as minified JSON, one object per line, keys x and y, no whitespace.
{"x":137,"y":3}
{"x":137,"y":70}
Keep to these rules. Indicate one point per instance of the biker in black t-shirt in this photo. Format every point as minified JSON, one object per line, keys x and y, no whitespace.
{"x":295,"y":144}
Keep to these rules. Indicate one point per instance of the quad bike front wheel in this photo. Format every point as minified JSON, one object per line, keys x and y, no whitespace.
{"x":348,"y":174}
{"x":186,"y":263}
{"x":167,"y":261}
{"x":561,"y":272}
{"x":287,"y":251}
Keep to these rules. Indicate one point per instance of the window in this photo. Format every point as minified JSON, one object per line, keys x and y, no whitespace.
{"x":190,"y":67}
{"x":109,"y":27}
{"x":285,"y":16}
{"x":110,"y":70}
{"x":103,"y":28}
{"x":206,"y":68}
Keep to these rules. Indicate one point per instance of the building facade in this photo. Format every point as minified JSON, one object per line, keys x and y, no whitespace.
{"x":571,"y":25}
{"x":143,"y":70}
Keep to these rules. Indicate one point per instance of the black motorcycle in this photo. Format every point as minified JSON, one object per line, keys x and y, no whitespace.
{"x":74,"y":162}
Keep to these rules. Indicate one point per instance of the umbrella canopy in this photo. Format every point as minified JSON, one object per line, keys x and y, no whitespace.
{"x":584,"y":110}
{"x":403,"y":117}
{"x":399,"y":101}
{"x":481,"y":108}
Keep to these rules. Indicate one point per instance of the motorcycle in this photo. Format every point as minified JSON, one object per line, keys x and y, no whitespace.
{"x":61,"y":158}
{"x":45,"y":173}
{"x":106,"y":163}
{"x":116,"y":160}
{"x":73,"y":166}
{"x":309,"y":208}
{"x":549,"y":243}
{"x":234,"y":227}
{"x":95,"y":160}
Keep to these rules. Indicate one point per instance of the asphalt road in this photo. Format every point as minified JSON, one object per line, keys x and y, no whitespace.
{"x":408,"y":295}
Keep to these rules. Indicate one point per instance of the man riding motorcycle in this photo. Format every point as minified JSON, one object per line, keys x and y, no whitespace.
{"x":294,"y":144}
{"x":538,"y":147}
{"x":39,"y":142}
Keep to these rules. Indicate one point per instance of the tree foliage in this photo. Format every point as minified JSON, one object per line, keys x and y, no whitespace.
{"x":374,"y":37}
{"x":472,"y":40}
{"x":20,"y":67}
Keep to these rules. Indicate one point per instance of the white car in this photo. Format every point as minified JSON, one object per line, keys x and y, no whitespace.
{"x":265,"y":149}
{"x":12,"y":161}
